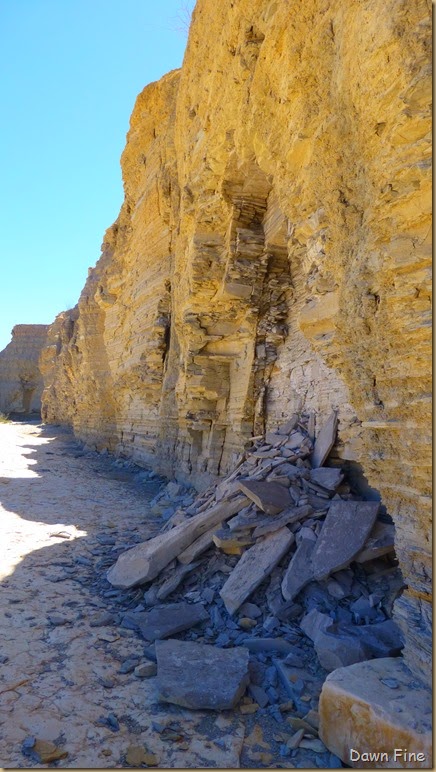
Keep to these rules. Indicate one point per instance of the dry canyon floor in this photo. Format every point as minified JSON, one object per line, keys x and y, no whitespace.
{"x":67,"y":665}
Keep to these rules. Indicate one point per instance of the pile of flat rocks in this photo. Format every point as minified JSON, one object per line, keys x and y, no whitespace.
{"x":279,"y":561}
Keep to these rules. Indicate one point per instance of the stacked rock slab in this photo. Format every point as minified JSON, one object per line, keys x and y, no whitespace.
{"x":371,"y":700}
{"x":273,"y":249}
{"x":21,"y":382}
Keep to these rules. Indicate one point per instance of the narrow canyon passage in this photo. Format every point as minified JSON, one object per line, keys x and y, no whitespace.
{"x":63,"y":653}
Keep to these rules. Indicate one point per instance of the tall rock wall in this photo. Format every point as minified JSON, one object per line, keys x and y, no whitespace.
{"x":21,"y":382}
{"x":272,"y":253}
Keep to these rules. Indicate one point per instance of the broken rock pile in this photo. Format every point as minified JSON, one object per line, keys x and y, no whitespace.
{"x":279,"y":558}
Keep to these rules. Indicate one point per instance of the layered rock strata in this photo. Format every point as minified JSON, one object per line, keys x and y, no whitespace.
{"x":272,"y":253}
{"x":21,"y":382}
{"x":374,"y":715}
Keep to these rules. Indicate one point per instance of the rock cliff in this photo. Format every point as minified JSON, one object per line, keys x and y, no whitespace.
{"x":21,"y":381}
{"x":272,"y":254}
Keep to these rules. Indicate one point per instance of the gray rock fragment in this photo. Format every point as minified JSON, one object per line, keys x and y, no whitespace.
{"x":271,"y":497}
{"x":345,"y":530}
{"x":328,"y":477}
{"x":340,"y":645}
{"x":164,"y":621}
{"x":259,"y":695}
{"x":300,"y":570}
{"x":255,"y":564}
{"x":201,"y":677}
{"x":145,"y":670}
{"x":325,"y":441}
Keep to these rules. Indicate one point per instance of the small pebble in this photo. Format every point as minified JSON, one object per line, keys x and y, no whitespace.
{"x":57,"y":620}
{"x":145,"y":670}
{"x":101,"y":620}
{"x":128,"y":665}
{"x":392,"y":683}
{"x":112,"y":722}
{"x":246,"y":623}
{"x":107,"y":683}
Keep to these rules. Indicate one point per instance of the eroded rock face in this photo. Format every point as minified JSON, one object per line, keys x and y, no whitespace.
{"x":272,"y":252}
{"x":21,"y":382}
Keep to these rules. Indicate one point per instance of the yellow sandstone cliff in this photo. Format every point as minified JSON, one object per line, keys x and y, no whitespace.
{"x":272,"y":254}
{"x":21,"y":382}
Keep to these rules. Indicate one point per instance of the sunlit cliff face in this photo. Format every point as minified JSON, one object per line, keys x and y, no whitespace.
{"x":272,"y":254}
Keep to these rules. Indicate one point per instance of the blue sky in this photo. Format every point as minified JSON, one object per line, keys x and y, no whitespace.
{"x":70,"y":73}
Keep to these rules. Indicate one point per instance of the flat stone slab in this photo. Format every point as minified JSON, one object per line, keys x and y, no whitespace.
{"x":177,"y":576}
{"x":380,"y":542}
{"x":361,"y":711}
{"x":197,"y":547}
{"x":344,"y":533}
{"x":171,"y":619}
{"x":270,"y":497}
{"x":292,"y":515}
{"x":255,"y":564}
{"x":201,"y":677}
{"x":145,"y":561}
{"x":326,"y":476}
{"x":300,"y":570}
{"x":325,"y":441}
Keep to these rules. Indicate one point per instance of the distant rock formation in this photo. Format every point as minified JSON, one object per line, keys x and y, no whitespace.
{"x":272,"y":254}
{"x":21,"y":381}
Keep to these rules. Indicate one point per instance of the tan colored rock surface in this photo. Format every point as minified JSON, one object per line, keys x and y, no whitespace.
{"x":255,"y":564}
{"x":144,"y":562}
{"x":376,"y":707}
{"x":273,"y":250}
{"x":21,"y":382}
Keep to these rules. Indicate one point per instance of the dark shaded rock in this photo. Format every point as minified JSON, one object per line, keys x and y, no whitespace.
{"x":101,"y":620}
{"x":146,"y":670}
{"x":57,"y":620}
{"x":300,"y":570}
{"x":382,"y":639}
{"x":279,"y":645}
{"x":380,"y":542}
{"x":345,"y":531}
{"x":107,"y":683}
{"x":164,"y":621}
{"x":128,"y":665}
{"x":340,"y":645}
{"x":325,"y":441}
{"x":270,"y":497}
{"x":250,"y":610}
{"x":201,"y":677}
{"x":259,"y":695}
{"x":327,"y":477}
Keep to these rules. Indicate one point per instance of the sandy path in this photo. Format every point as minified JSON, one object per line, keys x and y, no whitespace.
{"x":57,"y":680}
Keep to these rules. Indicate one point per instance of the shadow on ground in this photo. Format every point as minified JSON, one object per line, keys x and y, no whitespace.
{"x":67,"y":671}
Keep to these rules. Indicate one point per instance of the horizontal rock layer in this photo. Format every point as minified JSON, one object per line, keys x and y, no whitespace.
{"x":21,"y":382}
{"x":272,"y":254}
{"x":375,"y":715}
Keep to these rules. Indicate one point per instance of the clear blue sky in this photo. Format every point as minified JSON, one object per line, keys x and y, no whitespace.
{"x":70,"y":73}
